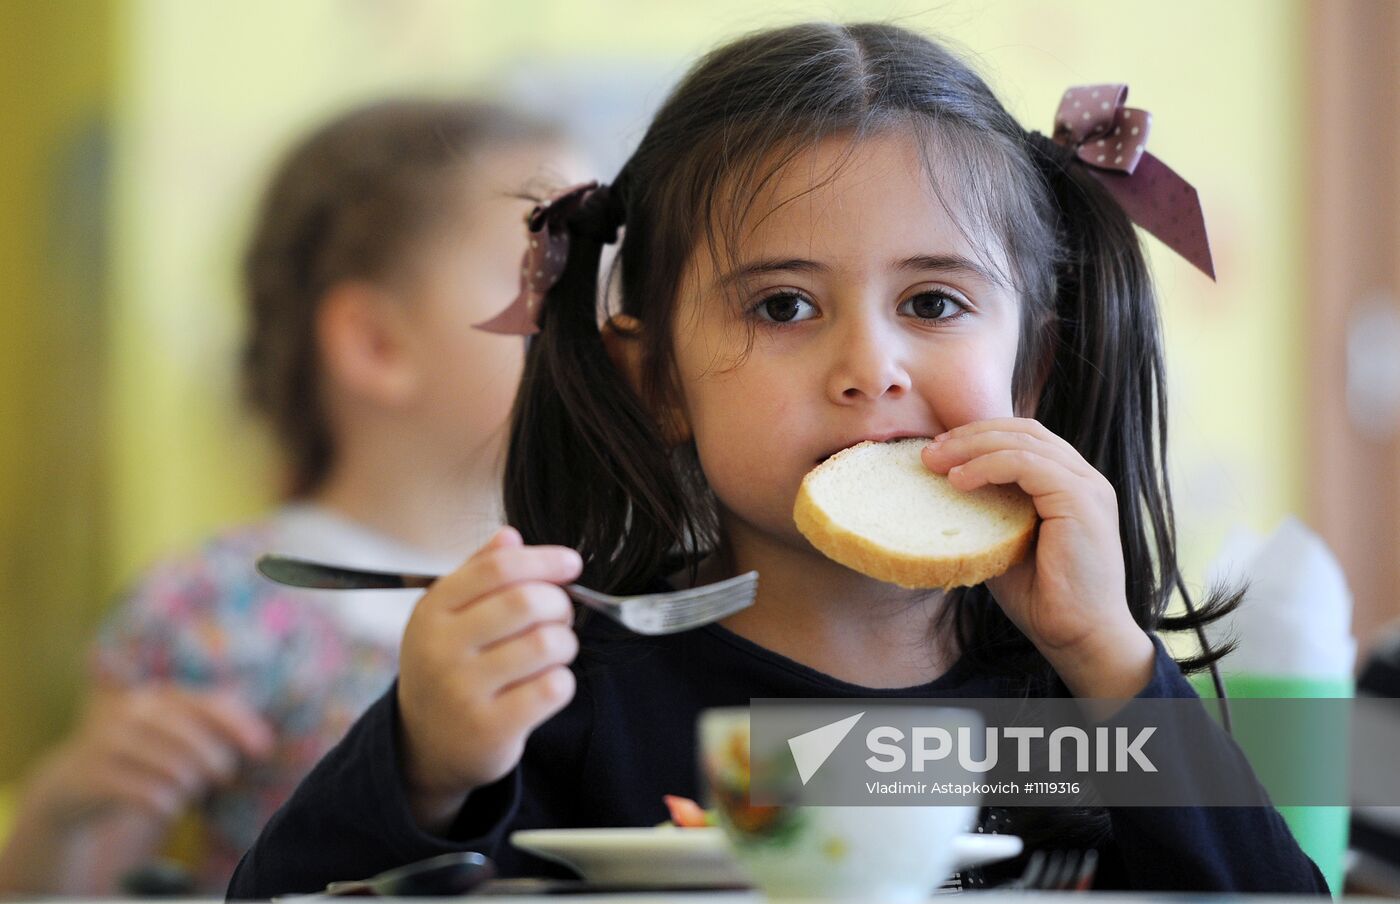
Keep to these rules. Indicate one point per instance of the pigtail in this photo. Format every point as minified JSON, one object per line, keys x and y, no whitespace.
{"x":587,"y":466}
{"x":1107,"y":392}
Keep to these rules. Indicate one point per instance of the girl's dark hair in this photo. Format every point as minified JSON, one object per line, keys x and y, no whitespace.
{"x":588,"y":465}
{"x":348,"y":202}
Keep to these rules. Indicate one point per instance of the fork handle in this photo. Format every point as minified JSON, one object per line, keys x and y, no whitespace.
{"x":320,"y":576}
{"x":295,"y":572}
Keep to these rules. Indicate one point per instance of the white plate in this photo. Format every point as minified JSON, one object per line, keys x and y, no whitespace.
{"x":670,"y":856}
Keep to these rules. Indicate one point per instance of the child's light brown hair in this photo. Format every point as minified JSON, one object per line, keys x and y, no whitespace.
{"x":349,"y":202}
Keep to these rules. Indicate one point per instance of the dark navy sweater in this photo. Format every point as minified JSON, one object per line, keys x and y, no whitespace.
{"x":628,"y":738}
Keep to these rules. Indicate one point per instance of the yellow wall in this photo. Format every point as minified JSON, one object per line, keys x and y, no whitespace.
{"x":206,"y":93}
{"x":54,"y":89}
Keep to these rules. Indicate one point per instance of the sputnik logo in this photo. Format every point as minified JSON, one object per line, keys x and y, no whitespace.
{"x":812,"y":748}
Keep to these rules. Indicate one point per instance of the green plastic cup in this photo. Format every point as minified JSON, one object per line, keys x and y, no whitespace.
{"x":1321,"y":831}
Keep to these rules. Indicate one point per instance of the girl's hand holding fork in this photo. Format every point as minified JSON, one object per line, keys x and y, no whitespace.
{"x":484,"y":661}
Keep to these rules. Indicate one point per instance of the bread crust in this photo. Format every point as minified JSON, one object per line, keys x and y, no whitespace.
{"x":916,"y":572}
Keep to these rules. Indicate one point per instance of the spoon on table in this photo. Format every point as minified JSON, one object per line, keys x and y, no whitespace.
{"x":445,"y":875}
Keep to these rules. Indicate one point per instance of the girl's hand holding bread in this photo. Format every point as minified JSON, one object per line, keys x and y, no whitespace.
{"x":484,"y":661}
{"x":1069,"y":597}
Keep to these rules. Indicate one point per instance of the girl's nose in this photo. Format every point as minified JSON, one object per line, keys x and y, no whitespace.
{"x":867,"y":366}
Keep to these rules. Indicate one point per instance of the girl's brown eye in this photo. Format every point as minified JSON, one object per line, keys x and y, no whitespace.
{"x":785,"y":307}
{"x":933,"y":306}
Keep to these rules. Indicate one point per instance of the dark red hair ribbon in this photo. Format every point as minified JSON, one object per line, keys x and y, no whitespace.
{"x":543,"y":264}
{"x":1110,"y":138}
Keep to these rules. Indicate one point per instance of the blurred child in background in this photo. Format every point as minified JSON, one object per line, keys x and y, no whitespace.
{"x":381,"y":238}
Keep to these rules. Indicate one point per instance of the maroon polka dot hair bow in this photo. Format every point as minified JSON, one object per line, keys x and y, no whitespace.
{"x":543,"y":263}
{"x":1111,"y":139}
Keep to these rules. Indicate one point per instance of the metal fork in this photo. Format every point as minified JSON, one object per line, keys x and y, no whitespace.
{"x":1057,"y":871}
{"x":646,"y":613}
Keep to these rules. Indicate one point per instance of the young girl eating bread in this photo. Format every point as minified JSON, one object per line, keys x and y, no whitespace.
{"x":829,"y":234}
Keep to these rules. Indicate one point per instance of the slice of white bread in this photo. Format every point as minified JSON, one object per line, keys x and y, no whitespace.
{"x":877,"y":509}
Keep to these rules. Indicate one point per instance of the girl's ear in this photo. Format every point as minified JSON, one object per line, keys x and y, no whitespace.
{"x":366,"y":344}
{"x":622,"y":338}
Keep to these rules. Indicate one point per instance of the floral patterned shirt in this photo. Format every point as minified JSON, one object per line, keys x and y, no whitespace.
{"x":309,"y":662}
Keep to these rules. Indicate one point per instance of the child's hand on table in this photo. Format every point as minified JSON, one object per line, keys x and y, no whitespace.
{"x":100,"y":803}
{"x":150,"y":749}
{"x":484,"y":662}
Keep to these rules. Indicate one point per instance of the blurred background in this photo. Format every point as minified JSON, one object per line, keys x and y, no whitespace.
{"x":135,"y":134}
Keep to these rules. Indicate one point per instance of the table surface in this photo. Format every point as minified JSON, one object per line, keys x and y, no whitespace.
{"x":982,"y":897}
{"x":751,"y":897}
